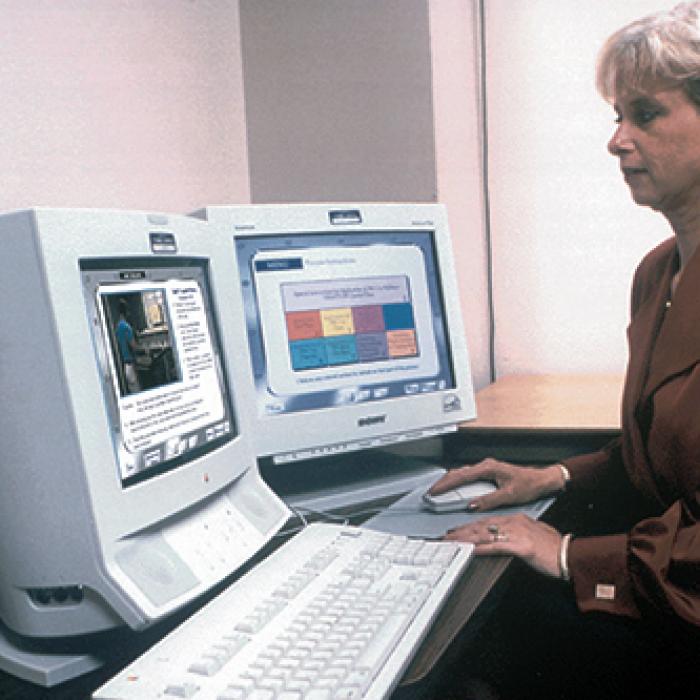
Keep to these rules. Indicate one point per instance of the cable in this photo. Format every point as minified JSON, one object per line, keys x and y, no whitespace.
{"x":301,"y":513}
{"x":481,"y":39}
{"x":303,"y":522}
{"x":328,"y":516}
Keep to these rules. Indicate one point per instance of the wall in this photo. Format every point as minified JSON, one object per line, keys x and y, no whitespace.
{"x":140,"y":105}
{"x":121,"y":104}
{"x":566,"y":233}
{"x":338,"y":100}
{"x":458,"y":148}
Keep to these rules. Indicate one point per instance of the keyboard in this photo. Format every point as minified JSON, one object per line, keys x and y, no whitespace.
{"x":335,"y":613}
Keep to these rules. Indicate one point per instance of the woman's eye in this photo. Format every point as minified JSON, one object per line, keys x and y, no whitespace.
{"x":644,"y":116}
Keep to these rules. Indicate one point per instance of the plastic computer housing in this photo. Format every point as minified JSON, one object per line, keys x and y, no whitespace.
{"x":117,"y":509}
{"x":332,"y":376}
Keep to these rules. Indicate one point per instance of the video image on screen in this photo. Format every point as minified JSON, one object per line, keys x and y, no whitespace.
{"x":141,"y":340}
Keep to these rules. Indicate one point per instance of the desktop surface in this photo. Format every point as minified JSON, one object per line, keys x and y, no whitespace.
{"x":550,"y":402}
{"x":540,"y":418}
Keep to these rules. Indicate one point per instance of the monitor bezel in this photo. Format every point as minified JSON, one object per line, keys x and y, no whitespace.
{"x":121,"y":513}
{"x":293,"y":436}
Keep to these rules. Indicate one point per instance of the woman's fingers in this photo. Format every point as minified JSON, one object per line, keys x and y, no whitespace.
{"x":467,"y":474}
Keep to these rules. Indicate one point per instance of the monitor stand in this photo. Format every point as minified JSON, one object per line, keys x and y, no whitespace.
{"x":40,"y":666}
{"x":48,"y":662}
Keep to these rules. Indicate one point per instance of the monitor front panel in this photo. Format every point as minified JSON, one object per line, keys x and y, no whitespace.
{"x":135,"y":456}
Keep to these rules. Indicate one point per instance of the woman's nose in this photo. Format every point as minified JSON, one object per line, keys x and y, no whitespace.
{"x":620,"y":141}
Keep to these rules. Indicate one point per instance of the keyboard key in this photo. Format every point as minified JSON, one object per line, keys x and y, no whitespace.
{"x":204,"y":667}
{"x":232,"y":694}
{"x":182,"y":690}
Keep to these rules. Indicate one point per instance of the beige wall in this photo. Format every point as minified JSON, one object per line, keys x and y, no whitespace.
{"x":121,"y":104}
{"x":140,"y":105}
{"x":338,"y":100}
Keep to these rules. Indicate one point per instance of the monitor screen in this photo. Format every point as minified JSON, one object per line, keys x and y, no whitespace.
{"x":160,"y":359}
{"x":336,"y":319}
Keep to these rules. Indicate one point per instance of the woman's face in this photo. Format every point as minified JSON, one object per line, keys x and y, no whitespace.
{"x":658,"y":144}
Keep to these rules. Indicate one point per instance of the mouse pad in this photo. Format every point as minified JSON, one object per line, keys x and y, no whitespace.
{"x":408,"y":516}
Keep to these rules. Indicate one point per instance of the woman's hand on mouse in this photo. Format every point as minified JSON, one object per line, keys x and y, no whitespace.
{"x":515,"y":484}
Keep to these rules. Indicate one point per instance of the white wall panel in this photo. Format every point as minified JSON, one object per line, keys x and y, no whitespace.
{"x":566,"y":233}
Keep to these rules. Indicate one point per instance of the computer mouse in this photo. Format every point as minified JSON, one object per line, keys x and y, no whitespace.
{"x":459,"y":498}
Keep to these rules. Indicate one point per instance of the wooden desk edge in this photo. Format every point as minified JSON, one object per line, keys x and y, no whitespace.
{"x":469,"y":592}
{"x":495,"y":430}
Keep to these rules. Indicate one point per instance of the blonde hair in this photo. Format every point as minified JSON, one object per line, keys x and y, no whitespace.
{"x":660,"y":49}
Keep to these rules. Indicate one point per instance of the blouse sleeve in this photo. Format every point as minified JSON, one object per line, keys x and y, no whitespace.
{"x":603,"y":469}
{"x":598,"y":565}
{"x":652,"y":571}
{"x":586,"y":470}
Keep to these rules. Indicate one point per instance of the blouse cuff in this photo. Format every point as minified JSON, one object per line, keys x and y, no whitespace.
{"x":585,"y":470}
{"x":598,"y":570}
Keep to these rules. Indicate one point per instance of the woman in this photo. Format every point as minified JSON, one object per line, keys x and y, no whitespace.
{"x":636,"y":579}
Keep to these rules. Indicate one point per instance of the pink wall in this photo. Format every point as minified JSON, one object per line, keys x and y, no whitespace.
{"x":121,"y":104}
{"x":129,"y":104}
{"x":458,"y":164}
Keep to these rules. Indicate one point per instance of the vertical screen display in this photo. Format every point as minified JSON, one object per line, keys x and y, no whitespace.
{"x":159,"y":355}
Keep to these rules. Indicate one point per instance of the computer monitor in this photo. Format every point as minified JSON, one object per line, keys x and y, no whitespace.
{"x":129,"y":481}
{"x":355,"y":339}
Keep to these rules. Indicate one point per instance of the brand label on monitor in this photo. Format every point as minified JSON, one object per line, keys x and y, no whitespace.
{"x":163,"y":242}
{"x":346,"y":216}
{"x":371,"y":420}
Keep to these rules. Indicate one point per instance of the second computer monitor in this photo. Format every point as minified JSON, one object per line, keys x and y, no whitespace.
{"x":353,"y":323}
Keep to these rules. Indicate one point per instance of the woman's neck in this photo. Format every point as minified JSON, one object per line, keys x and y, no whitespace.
{"x":686,"y":227}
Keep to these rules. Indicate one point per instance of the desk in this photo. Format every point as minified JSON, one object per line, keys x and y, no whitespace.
{"x":521,"y":418}
{"x":541,"y":418}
